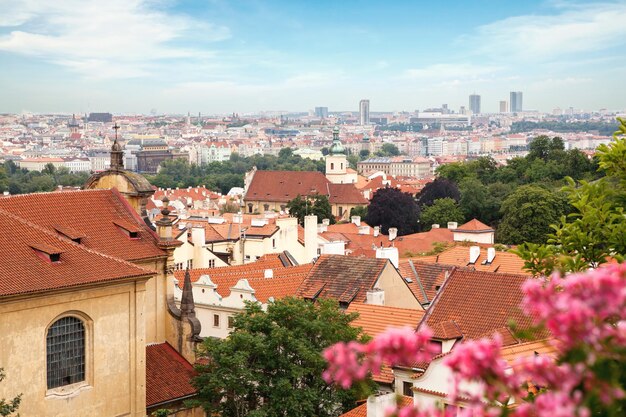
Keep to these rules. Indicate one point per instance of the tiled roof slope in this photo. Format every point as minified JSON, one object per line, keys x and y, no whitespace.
{"x":284,"y":186}
{"x":478,"y":303}
{"x":375,"y":319}
{"x":474,"y":226}
{"x":504,"y":262}
{"x":425,"y":278}
{"x":285,"y":281}
{"x":345,"y":194}
{"x":92,"y":213}
{"x":271,"y":261}
{"x":168,"y":375}
{"x":361,"y":411}
{"x":344,"y":278}
{"x":26,"y":270}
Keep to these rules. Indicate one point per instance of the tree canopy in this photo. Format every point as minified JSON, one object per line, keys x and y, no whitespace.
{"x":20,"y":181}
{"x":594,"y":232}
{"x":390,"y":207}
{"x":271,"y":364}
{"x":439,"y":188}
{"x":317,"y":204}
{"x":442,"y":211}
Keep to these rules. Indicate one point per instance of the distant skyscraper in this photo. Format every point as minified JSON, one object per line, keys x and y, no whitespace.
{"x":516,"y":102}
{"x":321,"y":112}
{"x":364,"y":112}
{"x":504,"y":106}
{"x":474,"y":103}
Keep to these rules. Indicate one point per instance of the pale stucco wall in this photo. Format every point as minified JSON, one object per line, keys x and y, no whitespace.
{"x":397,"y":292}
{"x":115,"y":349}
{"x":486,"y":237}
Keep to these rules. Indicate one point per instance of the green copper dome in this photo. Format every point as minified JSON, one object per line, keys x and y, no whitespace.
{"x":336,"y":148}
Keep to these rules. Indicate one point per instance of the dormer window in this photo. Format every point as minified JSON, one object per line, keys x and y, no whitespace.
{"x":47,"y":252}
{"x":129,"y":229}
{"x":70,"y":233}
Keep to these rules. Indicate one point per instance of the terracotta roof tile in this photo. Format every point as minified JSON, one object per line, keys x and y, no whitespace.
{"x":504,"y":262}
{"x":25,"y":269}
{"x":479,"y":303}
{"x":425,"y":278}
{"x":375,"y":319}
{"x":168,"y":375}
{"x":91,"y":213}
{"x":345,"y":194}
{"x":342,"y":277}
{"x":283,"y":186}
{"x":474,"y":225}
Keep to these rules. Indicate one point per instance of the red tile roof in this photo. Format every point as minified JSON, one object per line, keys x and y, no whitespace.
{"x":375,"y":319}
{"x":345,"y":194}
{"x":283,"y":186}
{"x":478,"y":303}
{"x":425,"y":278}
{"x":26,"y":269}
{"x":504,"y":262}
{"x":474,"y":226}
{"x":168,"y":375}
{"x":343,"y":278}
{"x":92,"y":213}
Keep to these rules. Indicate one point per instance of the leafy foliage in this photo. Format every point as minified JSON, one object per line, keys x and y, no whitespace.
{"x":317,"y":204}
{"x":442,"y":211}
{"x":563,"y":126}
{"x":9,"y":407}
{"x":439,"y":188}
{"x":388,"y":149}
{"x":594,"y":232}
{"x":21,"y":181}
{"x":360,"y":211}
{"x":272,"y":364}
{"x":528,"y":213}
{"x":391,"y":207}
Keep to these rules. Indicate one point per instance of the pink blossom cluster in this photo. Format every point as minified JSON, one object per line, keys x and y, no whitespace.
{"x":349,"y":362}
{"x":585,"y":315}
{"x":580,"y":309}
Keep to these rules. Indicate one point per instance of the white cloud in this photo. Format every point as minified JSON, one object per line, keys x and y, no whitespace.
{"x":100,"y":39}
{"x":575,"y":28}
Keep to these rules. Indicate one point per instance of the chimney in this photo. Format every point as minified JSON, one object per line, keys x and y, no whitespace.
{"x":393,"y":233}
{"x":377,"y":405}
{"x":375,"y":296}
{"x":390,"y":253}
{"x":376,"y":231}
{"x":364,"y":230}
{"x":434,"y":226}
{"x":237,"y":218}
{"x":474,"y":253}
{"x":491,"y":254}
{"x":269,"y":273}
{"x":452,"y":225}
{"x":356,"y":220}
{"x":326,"y":222}
{"x":310,"y":237}
{"x":198,"y":235}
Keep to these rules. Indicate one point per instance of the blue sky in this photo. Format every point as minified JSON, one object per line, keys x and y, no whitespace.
{"x":220,"y":56}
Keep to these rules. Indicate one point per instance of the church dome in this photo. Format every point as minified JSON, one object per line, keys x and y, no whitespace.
{"x":336,"y":148}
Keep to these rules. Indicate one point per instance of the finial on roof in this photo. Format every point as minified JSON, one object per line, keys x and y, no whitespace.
{"x":117,"y":154}
{"x":187,"y":305}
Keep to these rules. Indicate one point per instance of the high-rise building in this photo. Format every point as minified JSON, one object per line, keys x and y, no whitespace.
{"x":504,"y":107}
{"x":516,"y":102}
{"x":321,"y":112}
{"x":101,"y":117}
{"x":364,"y":112}
{"x":474,"y":103}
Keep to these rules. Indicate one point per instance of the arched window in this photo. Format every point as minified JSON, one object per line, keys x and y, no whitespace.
{"x":65,"y":352}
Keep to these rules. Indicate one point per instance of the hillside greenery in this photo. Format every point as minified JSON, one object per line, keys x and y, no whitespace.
{"x":20,"y":181}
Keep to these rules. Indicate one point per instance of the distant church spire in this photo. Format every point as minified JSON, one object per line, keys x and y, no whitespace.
{"x":117,"y":154}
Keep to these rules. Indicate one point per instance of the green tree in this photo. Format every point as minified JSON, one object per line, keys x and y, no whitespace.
{"x":388,"y":149}
{"x":390,"y":207}
{"x":528,"y":213}
{"x":8,"y":407}
{"x":316,"y":204}
{"x":442,"y":211}
{"x":285,"y":153}
{"x":479,"y":201}
{"x":360,"y":211}
{"x":594,"y":232}
{"x":439,"y":188}
{"x":272,"y":364}
{"x":364,"y":154}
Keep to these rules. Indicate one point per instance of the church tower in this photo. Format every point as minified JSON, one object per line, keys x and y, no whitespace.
{"x":337,"y":162}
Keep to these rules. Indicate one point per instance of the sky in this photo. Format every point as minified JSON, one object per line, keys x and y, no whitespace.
{"x":224,"y":56}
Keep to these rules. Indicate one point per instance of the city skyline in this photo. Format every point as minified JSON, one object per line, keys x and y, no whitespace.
{"x":221,"y":57}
